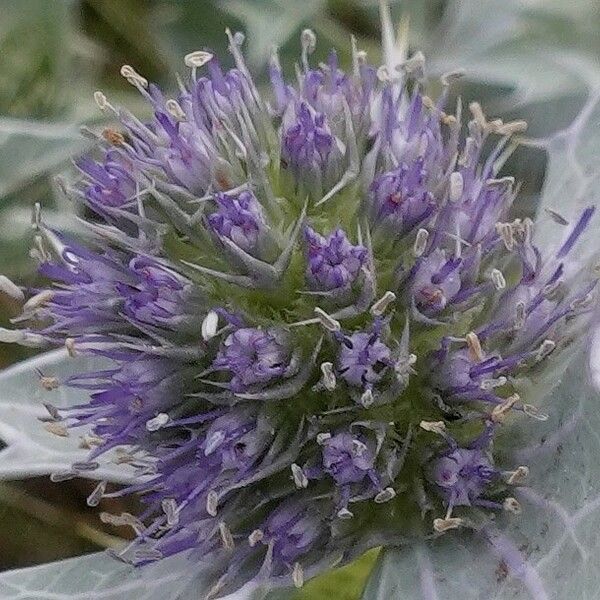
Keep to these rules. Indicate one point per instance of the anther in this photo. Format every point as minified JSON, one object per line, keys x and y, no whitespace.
{"x":300,"y":478}
{"x":442,"y":525}
{"x":385,"y":495}
{"x":490,"y":384}
{"x":534,"y":412}
{"x":60,"y":477}
{"x":511,"y":505}
{"x":49,"y":383}
{"x":478,"y":114}
{"x":308,"y":39}
{"x":197,"y":59}
{"x":457,"y":186}
{"x":450,"y":77}
{"x":169,"y":506}
{"x":323,"y":437}
{"x":498,"y":279}
{"x":175,"y":109}
{"x":500,"y":410}
{"x":582,"y":302}
{"x":101,"y":101}
{"x":133,"y":77}
{"x":545,"y":349}
{"x":226,"y":536}
{"x":328,"y":376}
{"x":90,"y":465}
{"x":474,"y":346}
{"x":366,"y":398}
{"x":327,"y":321}
{"x":56,"y":429}
{"x":210,"y":324}
{"x":212,"y":503}
{"x":298,"y":575}
{"x":358,"y":448}
{"x":519,"y":315}
{"x":70,"y":346}
{"x":438,"y":427}
{"x":10,"y":289}
{"x":114,"y":137}
{"x":38,"y":300}
{"x":255,"y":537}
{"x":344,"y":514}
{"x":420,"y":242}
{"x":518,"y":475}
{"x":380,"y":306}
{"x":160,"y":420}
{"x":94,"y":498}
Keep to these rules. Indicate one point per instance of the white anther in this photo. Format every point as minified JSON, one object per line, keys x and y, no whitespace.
{"x":420,"y":242}
{"x":582,"y":302}
{"x":175,"y":109}
{"x":328,"y":376}
{"x":52,"y":411}
{"x":213,"y":442}
{"x":519,"y":315}
{"x":501,"y":181}
{"x":385,"y":495}
{"x":18,"y":336}
{"x":300,"y":478}
{"x":478,"y":114}
{"x":298,"y":575}
{"x":38,"y":300}
{"x":60,"y":477}
{"x":238,"y":38}
{"x":452,"y":76}
{"x":323,"y":437}
{"x":358,"y":448}
{"x":380,"y":306}
{"x":442,"y":525}
{"x":556,"y":217}
{"x":383,"y":74}
{"x":212,"y":503}
{"x":490,"y":384}
{"x":414,"y":64}
{"x":133,"y":77}
{"x":344,"y":514}
{"x":474,"y":346}
{"x":366,"y":398}
{"x":210,"y":324}
{"x":160,"y":420}
{"x":457,"y":186}
{"x":327,"y":321}
{"x":197,"y":59}
{"x":101,"y":101}
{"x":498,"y":279}
{"x":56,"y":429}
{"x":226,"y":536}
{"x":511,"y":505}
{"x":10,"y":289}
{"x":518,"y":475}
{"x":499,"y":412}
{"x":70,"y":346}
{"x":308,"y":39}
{"x":511,"y":127}
{"x":169,"y":507}
{"x":94,"y":498}
{"x":255,"y":537}
{"x":534,"y":412}
{"x":545,"y":349}
{"x":438,"y":427}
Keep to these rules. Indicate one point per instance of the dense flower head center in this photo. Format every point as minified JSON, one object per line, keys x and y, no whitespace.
{"x":312,"y":309}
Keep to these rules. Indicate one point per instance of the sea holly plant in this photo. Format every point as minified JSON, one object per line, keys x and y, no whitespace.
{"x":312,"y":322}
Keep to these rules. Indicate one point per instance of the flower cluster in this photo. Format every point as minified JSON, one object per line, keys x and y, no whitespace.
{"x":316,"y":309}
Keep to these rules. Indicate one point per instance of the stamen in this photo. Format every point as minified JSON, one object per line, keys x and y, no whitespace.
{"x":91,"y":465}
{"x":175,"y":109}
{"x":478,"y":115}
{"x":169,"y":506}
{"x":457,"y":186}
{"x":490,"y":384}
{"x":366,"y":398}
{"x":420,"y":242}
{"x":323,"y":437}
{"x":38,"y":300}
{"x":255,"y":537}
{"x":210,"y":324}
{"x":70,"y":346}
{"x":328,"y":376}
{"x":499,"y":412}
{"x":95,"y":497}
{"x":379,"y":307}
{"x":124,"y":519}
{"x":385,"y":495}
{"x":443,"y":525}
{"x":133,"y":77}
{"x":300,"y":478}
{"x":519,"y":475}
{"x":226,"y":536}
{"x":451,"y":76}
{"x":60,"y":477}
{"x":534,"y":412}
{"x":498,"y":279}
{"x":10,"y":289}
{"x":438,"y":427}
{"x":474,"y":345}
{"x":546,"y":348}
{"x":212,"y":503}
{"x":56,"y":429}
{"x":298,"y":575}
{"x":358,"y":448}
{"x":197,"y":59}
{"x":344,"y":514}
{"x":102,"y":102}
{"x":49,"y":384}
{"x":582,"y":302}
{"x":308,"y":40}
{"x":327,"y":321}
{"x":519,"y":315}
{"x":511,"y":505}
{"x":160,"y":420}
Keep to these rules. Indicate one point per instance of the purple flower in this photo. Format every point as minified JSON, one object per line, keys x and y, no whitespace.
{"x":333,"y":262}
{"x":254,"y":357}
{"x":239,"y":218}
{"x":348,"y":458}
{"x":363,"y":359}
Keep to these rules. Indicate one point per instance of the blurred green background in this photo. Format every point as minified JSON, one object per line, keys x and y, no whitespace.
{"x":533,"y":58}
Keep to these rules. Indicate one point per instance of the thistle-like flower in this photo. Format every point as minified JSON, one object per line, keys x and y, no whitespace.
{"x":317,"y":308}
